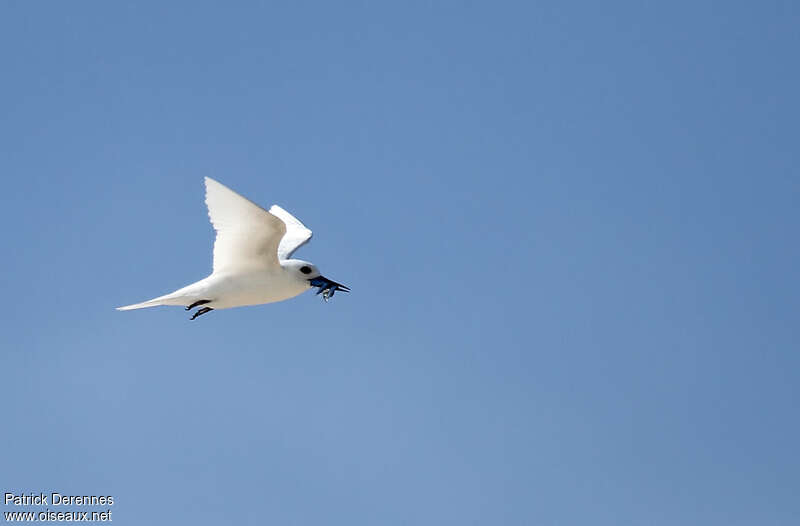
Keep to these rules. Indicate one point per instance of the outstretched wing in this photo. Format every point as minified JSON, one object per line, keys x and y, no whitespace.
{"x":296,"y":233}
{"x":247,"y":235}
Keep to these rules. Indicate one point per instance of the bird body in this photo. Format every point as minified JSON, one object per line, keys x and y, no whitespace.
{"x":252,"y":258}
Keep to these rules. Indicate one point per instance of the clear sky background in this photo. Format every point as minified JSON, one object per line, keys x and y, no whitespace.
{"x":570,"y":229}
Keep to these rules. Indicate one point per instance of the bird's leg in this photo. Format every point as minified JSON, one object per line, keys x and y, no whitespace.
{"x":196,"y":303}
{"x":201,"y":312}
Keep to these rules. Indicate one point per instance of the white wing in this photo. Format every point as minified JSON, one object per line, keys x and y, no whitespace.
{"x":296,"y":233}
{"x":247,"y":235}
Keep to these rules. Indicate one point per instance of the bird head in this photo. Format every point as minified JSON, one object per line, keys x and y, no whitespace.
{"x":309,"y":273}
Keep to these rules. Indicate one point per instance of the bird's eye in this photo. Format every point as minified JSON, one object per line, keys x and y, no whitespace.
{"x":305,"y":270}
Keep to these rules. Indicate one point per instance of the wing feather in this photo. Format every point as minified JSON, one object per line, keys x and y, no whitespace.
{"x":247,"y":235}
{"x":296,"y":235}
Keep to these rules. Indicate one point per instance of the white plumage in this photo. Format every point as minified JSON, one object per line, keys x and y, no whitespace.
{"x":252,"y":254}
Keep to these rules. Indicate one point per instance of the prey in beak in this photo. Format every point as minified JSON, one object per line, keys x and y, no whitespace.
{"x":327,"y":287}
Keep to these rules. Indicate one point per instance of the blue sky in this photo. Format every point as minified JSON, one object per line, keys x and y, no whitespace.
{"x":570,"y":229}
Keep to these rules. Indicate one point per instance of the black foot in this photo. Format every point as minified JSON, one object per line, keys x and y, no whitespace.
{"x":196,"y":303}
{"x":201,"y":312}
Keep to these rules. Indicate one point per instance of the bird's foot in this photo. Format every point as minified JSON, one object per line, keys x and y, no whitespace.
{"x":201,"y":312}
{"x":196,"y":303}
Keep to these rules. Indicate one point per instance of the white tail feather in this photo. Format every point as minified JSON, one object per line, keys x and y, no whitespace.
{"x":169,"y":299}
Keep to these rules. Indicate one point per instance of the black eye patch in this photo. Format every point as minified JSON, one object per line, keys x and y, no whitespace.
{"x":305,"y":270}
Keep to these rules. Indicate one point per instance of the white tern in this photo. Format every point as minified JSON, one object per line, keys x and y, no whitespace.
{"x":252,"y":258}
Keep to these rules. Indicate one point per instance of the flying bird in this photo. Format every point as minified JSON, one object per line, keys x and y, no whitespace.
{"x":252,"y":258}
